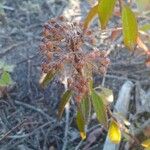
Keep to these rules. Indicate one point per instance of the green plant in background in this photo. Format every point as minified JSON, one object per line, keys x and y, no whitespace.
{"x":66,"y":56}
{"x":5,"y":78}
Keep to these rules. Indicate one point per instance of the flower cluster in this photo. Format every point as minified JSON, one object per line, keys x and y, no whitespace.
{"x":64,"y":46}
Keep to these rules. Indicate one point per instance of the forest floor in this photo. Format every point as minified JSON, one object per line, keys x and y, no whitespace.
{"x":28,"y":113}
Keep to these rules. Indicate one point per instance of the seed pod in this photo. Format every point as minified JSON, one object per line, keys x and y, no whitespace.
{"x":46,"y":32}
{"x":89,"y":32}
{"x":61,"y":18}
{"x":43,"y":47}
{"x":52,"y":21}
{"x":49,"y":45}
{"x":49,"y":55}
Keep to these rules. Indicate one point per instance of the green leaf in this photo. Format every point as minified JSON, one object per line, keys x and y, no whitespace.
{"x":47,"y":78}
{"x":81,"y":124}
{"x":106,"y":95}
{"x":114,"y":132}
{"x":92,"y":13}
{"x":85,"y":107}
{"x":130,"y":27}
{"x":105,"y":10}
{"x":145,"y":27}
{"x":5,"y":79}
{"x":65,"y":98}
{"x":99,"y":108}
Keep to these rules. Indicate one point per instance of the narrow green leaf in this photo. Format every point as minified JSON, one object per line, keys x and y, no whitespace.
{"x":81,"y":124}
{"x":65,"y":98}
{"x":105,"y":10}
{"x":130,"y":27}
{"x":85,"y":107}
{"x":99,"y":108}
{"x":47,"y":78}
{"x":92,"y":13}
{"x":5,"y":79}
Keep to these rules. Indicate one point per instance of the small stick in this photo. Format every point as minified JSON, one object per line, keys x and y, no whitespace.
{"x":67,"y":111}
{"x":14,"y":128}
{"x":7,"y":7}
{"x":33,"y":108}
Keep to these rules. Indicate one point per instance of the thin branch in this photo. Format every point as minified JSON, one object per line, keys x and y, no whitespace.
{"x":67,"y":111}
{"x":33,"y":108}
{"x":120,"y":5}
{"x":14,"y":128}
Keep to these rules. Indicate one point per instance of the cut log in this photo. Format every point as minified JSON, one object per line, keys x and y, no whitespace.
{"x":121,"y":107}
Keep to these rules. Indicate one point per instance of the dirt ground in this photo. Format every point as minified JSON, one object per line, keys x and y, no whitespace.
{"x":27,"y":112}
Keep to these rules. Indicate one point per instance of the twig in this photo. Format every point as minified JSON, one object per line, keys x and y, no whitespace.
{"x":14,"y":128}
{"x":120,"y":5}
{"x":67,"y":111}
{"x":7,"y":7}
{"x":88,"y":131}
{"x":104,"y":78}
{"x":8,"y":49}
{"x":29,"y":74}
{"x":33,"y":108}
{"x":31,"y":133}
{"x":79,"y":144}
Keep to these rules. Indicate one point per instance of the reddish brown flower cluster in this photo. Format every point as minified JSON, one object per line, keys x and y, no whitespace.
{"x":65,"y":50}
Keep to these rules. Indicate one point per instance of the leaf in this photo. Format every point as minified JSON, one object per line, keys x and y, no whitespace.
{"x":114,"y":132}
{"x":99,"y":108}
{"x":106,"y":95}
{"x":65,"y":98}
{"x":105,"y":11}
{"x":47,"y":78}
{"x":5,"y":79}
{"x":130,"y":27}
{"x":85,"y":107}
{"x":92,"y":13}
{"x":146,"y":143}
{"x":81,"y":124}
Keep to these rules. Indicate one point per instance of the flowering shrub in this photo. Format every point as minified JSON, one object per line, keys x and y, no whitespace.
{"x":64,"y":49}
{"x":67,"y":54}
